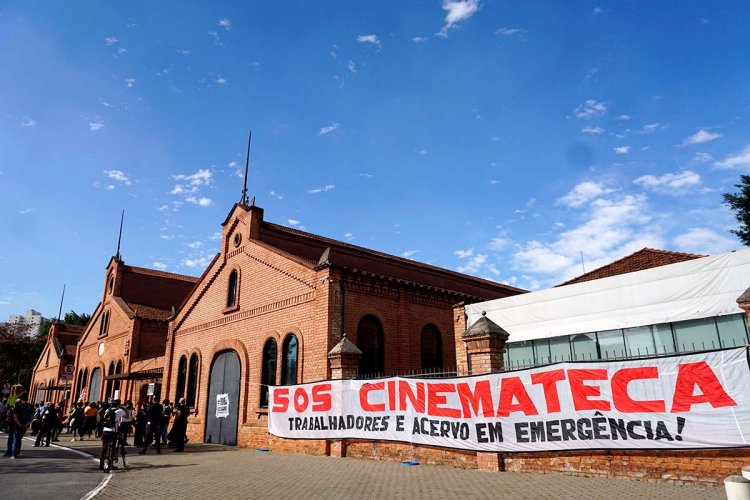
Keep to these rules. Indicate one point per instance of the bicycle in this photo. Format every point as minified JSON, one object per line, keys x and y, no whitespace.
{"x":115,"y":448}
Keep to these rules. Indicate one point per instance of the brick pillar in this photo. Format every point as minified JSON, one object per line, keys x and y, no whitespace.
{"x":485,"y":345}
{"x":343,"y":360}
{"x":744,"y":302}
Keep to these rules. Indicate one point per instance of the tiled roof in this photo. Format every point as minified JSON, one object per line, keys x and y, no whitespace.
{"x":645,"y":258}
{"x":154,"y":292}
{"x":310,"y":247}
{"x":67,"y":336}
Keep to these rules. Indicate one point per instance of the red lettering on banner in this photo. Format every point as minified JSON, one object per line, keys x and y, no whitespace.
{"x":405,"y":392}
{"x":300,"y":407}
{"x":363,"y":393}
{"x":549,"y":382}
{"x":582,"y":392}
{"x":691,"y":374}
{"x":280,"y":400}
{"x":321,"y":397}
{"x":435,"y":397}
{"x":482,"y":396}
{"x":512,"y":388}
{"x":622,"y":400}
{"x":392,"y":395}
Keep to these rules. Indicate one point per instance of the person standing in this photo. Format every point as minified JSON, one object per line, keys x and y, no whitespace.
{"x":179,"y":427}
{"x":109,"y":432}
{"x":140,"y":426}
{"x":89,"y":419}
{"x":48,"y":422}
{"x":154,"y":412}
{"x":166,"y":416}
{"x":22,"y":414}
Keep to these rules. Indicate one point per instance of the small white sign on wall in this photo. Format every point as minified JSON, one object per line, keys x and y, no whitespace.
{"x":222,"y":405}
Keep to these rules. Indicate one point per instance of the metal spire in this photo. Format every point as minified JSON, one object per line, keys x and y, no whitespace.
{"x":119,"y":238}
{"x":59,"y":313}
{"x":243,"y":200}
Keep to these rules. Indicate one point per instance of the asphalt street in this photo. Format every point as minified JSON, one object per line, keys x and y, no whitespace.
{"x":41,"y":473}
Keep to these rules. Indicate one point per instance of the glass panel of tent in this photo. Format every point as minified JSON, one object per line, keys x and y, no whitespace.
{"x":732,"y":330}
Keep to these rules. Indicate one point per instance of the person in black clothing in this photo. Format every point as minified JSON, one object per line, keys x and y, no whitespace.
{"x":48,"y":418}
{"x":179,"y":427}
{"x":154,"y":413}
{"x":166,"y":416}
{"x":20,"y":420}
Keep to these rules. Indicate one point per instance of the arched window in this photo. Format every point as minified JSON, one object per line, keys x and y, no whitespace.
{"x":40,"y":393}
{"x":432,"y":348}
{"x":192,"y":383}
{"x":289,"y":361}
{"x":268,"y":371}
{"x":181,"y":377}
{"x":108,"y":389}
{"x":116,"y":385}
{"x":79,"y":384}
{"x":95,"y":389}
{"x":232,"y":289}
{"x":370,"y":342}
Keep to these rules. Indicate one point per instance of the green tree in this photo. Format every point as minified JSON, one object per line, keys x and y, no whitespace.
{"x":740,"y":204}
{"x":73,"y":318}
{"x":18,"y":354}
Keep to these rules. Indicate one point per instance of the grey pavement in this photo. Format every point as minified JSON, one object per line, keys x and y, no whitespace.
{"x":210,"y":471}
{"x":46,"y":473}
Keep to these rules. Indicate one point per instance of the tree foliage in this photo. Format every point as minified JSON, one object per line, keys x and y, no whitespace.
{"x":18,"y":354}
{"x":740,"y":204}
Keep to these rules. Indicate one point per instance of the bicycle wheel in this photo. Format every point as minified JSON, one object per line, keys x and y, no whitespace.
{"x":108,"y":458}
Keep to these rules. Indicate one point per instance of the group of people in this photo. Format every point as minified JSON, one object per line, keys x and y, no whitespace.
{"x":151,"y":424}
{"x":148,"y":423}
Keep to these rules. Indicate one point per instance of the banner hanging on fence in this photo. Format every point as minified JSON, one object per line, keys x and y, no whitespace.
{"x":679,"y":402}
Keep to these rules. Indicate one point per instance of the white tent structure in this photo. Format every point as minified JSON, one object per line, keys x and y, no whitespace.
{"x":706,"y":287}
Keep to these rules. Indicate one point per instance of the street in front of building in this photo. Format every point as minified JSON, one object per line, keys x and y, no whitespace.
{"x":208,"y":471}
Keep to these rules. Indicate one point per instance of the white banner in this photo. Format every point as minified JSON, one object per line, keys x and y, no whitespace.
{"x":679,"y":402}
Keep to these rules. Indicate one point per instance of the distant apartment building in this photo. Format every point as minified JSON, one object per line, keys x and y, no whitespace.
{"x":32,"y":320}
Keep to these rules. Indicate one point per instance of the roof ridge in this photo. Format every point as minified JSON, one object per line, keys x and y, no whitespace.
{"x":396,"y":258}
{"x":161,"y":274}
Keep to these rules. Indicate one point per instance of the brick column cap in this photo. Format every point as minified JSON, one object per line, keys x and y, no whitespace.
{"x":484,"y":327}
{"x":345,"y":348}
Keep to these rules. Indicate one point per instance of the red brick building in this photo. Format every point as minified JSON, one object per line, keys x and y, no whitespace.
{"x":275,"y":301}
{"x":121,"y":350}
{"x":53,"y":373}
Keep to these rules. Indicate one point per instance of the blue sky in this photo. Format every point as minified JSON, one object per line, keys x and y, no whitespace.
{"x":500,"y":139}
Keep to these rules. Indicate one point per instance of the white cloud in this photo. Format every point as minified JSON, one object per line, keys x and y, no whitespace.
{"x":293,"y":222}
{"x":26,"y":211}
{"x":97,"y":125}
{"x":197,"y":262}
{"x":118,"y":175}
{"x":613,"y":228}
{"x":408,"y":253}
{"x":225,"y":23}
{"x":598,"y":11}
{"x":583,"y":193}
{"x":159,"y":265}
{"x":704,"y":241}
{"x":473,"y":264}
{"x":130,"y":82}
{"x":588,"y":129}
{"x":329,"y":128}
{"x":351,"y":66}
{"x":622,"y":118}
{"x":327,"y":187}
{"x":28,"y":122}
{"x":702,"y":157}
{"x":650,"y":128}
{"x":194,"y":244}
{"x":457,"y":11}
{"x":349,"y":236}
{"x":203,"y":177}
{"x":365,"y":174}
{"x":110,"y":187}
{"x":671,"y":183}
{"x":497,"y":244}
{"x":419,"y":39}
{"x":221,"y":80}
{"x":202,"y":201}
{"x":621,"y":150}
{"x":122,"y":51}
{"x":369,"y":39}
{"x":590,"y":108}
{"x":464,"y":254}
{"x":494,"y":182}
{"x":509,"y":31}
{"x":737,"y":160}
{"x":4,"y":302}
{"x":277,"y":195}
{"x":111,"y":40}
{"x":700,"y":137}
{"x":422,"y":152}
{"x":189,"y":185}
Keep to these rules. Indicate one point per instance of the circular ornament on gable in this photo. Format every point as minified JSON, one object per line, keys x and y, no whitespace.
{"x":237,"y":239}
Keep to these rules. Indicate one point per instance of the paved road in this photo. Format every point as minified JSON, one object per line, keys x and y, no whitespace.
{"x":54,"y":473}
{"x":210,"y":472}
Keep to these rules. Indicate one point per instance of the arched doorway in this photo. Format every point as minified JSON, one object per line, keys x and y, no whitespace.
{"x":223,"y":399}
{"x":96,"y":384}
